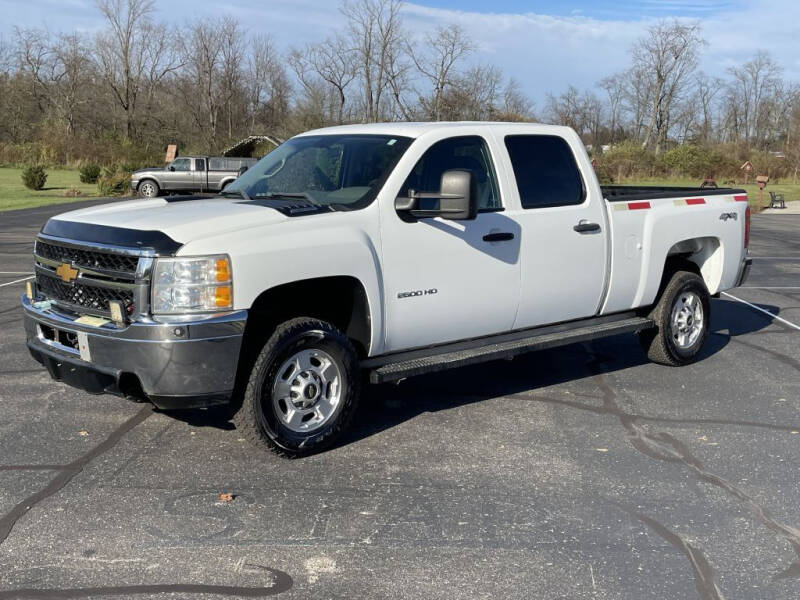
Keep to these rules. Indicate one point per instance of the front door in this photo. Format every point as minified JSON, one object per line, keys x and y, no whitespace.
{"x":448,"y":280}
{"x":179,"y":175}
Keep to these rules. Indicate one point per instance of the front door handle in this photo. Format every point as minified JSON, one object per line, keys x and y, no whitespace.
{"x":501,"y":236}
{"x":585,"y":226}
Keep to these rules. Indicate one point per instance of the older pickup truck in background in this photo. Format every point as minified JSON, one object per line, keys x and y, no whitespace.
{"x":196,"y":174}
{"x":390,"y":249}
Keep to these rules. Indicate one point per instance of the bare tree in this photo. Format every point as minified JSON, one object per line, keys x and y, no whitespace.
{"x":474,"y":96}
{"x":269,"y":87}
{"x":122,"y":52}
{"x":755,"y":86}
{"x":72,"y":74}
{"x":516,"y":105}
{"x":34,"y":59}
{"x":614,"y":87}
{"x":667,"y":56}
{"x":442,"y":51}
{"x":374,"y":28}
{"x":328,"y":64}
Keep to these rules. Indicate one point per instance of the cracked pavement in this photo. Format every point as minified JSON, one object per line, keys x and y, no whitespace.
{"x":581,"y":472}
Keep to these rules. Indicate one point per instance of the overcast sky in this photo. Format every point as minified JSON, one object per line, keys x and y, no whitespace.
{"x":545,"y":44}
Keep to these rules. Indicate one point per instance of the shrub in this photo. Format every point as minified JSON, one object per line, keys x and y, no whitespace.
{"x":625,"y":160}
{"x":34,"y":177}
{"x":130,"y":167}
{"x":90,"y":173}
{"x":72,"y":192}
{"x":114,"y":184}
{"x":604,"y":174}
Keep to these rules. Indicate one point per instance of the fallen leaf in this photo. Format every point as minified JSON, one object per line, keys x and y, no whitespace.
{"x":83,"y":433}
{"x":703,"y":438}
{"x":226,"y":497}
{"x":602,"y":449}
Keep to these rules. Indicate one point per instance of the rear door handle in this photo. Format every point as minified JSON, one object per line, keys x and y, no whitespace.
{"x":501,"y":236}
{"x":585,"y":226}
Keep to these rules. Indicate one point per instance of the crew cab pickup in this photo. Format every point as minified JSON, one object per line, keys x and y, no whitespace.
{"x":189,"y":174}
{"x":383,"y":250}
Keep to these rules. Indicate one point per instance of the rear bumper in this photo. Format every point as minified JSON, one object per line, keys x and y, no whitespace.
{"x":184,"y":364}
{"x":744,"y":271}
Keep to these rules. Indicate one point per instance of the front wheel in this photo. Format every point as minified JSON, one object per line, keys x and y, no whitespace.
{"x":682,"y":318}
{"x":303,"y":389}
{"x":149,"y":189}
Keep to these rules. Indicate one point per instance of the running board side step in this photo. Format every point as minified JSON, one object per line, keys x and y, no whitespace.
{"x":496,"y":347}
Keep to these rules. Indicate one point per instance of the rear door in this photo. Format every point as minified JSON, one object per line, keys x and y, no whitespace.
{"x":200,"y":175}
{"x":563,"y":254}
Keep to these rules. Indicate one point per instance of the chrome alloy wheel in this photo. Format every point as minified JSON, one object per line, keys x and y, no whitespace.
{"x":307,"y":390}
{"x":148,"y":189}
{"x":687,"y":320}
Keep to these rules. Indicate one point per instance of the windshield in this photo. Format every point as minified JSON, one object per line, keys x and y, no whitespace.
{"x":341,"y":171}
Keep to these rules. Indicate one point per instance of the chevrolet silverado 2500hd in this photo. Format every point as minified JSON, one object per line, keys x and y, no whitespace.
{"x":389,"y":249}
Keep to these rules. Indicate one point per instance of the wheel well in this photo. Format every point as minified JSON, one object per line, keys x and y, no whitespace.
{"x":148,"y":179}
{"x":703,"y":256}
{"x":340,"y":301}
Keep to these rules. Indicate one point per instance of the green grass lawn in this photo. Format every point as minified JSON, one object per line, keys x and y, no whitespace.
{"x":790,"y":191}
{"x":14,"y":195}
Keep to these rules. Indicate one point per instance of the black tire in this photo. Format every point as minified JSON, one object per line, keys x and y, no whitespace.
{"x":660,"y":343}
{"x":258,"y":419}
{"x":148,"y":184}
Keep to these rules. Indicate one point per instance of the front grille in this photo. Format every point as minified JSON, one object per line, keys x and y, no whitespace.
{"x":81,"y":296}
{"x":100,"y":276}
{"x":90,"y":259}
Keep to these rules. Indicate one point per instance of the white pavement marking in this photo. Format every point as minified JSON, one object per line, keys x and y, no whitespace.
{"x":17,"y":281}
{"x":766,"y":312}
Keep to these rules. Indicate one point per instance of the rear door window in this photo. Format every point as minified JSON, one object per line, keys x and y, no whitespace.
{"x":545,"y":170}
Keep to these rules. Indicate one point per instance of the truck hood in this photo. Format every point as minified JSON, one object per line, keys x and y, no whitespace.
{"x":181,"y":220}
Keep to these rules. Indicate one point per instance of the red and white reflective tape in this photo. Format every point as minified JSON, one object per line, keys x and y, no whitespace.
{"x":738,"y":198}
{"x":689,"y":201}
{"x":631,"y":205}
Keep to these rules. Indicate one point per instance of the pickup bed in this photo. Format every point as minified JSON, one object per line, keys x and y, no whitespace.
{"x":389,"y":250}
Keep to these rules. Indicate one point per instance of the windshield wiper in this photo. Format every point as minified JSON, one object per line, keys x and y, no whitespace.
{"x":303,"y":195}
{"x":230,"y":193}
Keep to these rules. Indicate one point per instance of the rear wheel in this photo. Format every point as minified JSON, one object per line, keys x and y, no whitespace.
{"x":682,"y":318}
{"x":303,"y":389}
{"x":149,"y":189}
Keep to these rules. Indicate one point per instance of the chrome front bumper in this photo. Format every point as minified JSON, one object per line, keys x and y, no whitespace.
{"x":181,"y":364}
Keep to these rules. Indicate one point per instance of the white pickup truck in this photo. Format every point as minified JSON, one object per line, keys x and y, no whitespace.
{"x":388,"y":249}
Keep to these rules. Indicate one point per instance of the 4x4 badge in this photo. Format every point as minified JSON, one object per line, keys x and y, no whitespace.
{"x":66,"y":273}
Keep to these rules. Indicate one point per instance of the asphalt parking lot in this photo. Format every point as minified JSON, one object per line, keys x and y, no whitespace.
{"x":580,"y":472}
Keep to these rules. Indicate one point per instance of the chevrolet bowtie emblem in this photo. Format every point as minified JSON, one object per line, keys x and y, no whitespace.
{"x":66,"y":273}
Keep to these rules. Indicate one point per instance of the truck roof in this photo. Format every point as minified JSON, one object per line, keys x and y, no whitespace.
{"x":416,"y":129}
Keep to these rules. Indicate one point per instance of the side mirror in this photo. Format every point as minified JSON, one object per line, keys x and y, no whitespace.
{"x":457,"y":196}
{"x":171,"y":168}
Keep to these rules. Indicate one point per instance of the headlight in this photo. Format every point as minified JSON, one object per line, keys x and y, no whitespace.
{"x":192,"y":284}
